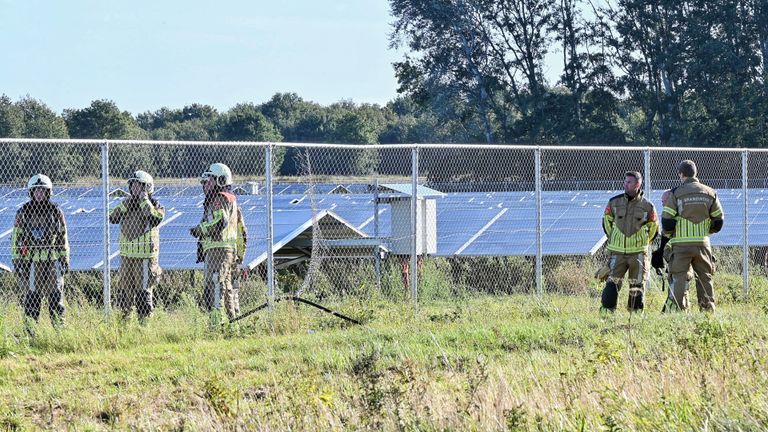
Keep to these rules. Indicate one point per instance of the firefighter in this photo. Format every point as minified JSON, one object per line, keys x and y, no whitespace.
{"x":238,"y":275}
{"x":139,"y":217}
{"x":218,"y":236}
{"x":666,"y":253}
{"x":40,"y":252}
{"x":630,"y":223}
{"x":692,"y":212}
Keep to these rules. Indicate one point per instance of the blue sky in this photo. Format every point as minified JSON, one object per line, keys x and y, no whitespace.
{"x":145,"y":54}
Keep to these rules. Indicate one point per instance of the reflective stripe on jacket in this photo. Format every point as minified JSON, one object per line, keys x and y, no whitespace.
{"x":242,"y":235}
{"x":139,"y":232}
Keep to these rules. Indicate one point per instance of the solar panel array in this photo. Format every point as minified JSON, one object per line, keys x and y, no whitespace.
{"x":468,"y":223}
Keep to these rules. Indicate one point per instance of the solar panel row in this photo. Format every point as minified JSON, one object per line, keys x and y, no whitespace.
{"x":468,"y":224}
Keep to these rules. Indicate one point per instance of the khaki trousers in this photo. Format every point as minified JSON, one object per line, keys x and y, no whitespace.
{"x":219,"y":266}
{"x":636,"y":267}
{"x":698,"y":257}
{"x":138,"y":279}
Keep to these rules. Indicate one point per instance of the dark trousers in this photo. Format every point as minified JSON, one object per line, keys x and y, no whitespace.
{"x":42,"y":280}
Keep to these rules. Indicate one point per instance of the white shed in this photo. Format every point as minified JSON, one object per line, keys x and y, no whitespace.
{"x":399,"y":197}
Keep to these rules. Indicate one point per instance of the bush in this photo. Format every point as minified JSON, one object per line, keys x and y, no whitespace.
{"x":493,"y":275}
{"x":573,"y":276}
{"x":435,"y":281}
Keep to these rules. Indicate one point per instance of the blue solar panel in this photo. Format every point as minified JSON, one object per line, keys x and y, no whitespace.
{"x":468,"y":224}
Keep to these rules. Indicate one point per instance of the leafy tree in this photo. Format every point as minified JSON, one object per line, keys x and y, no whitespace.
{"x":30,"y":118}
{"x":11,"y":121}
{"x":104,"y":120}
{"x":245,"y":122}
{"x":194,"y":122}
{"x":685,"y":65}
{"x":452,"y":58}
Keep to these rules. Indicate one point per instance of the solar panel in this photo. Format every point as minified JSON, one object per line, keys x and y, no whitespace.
{"x":468,"y":224}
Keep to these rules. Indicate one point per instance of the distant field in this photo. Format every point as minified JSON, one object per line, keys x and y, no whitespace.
{"x":489,"y":363}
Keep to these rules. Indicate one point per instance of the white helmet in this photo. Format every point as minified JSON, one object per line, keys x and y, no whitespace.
{"x":220,"y":172}
{"x":39,"y":181}
{"x":144,"y":178}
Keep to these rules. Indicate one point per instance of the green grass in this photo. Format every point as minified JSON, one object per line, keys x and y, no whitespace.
{"x":484,"y":363}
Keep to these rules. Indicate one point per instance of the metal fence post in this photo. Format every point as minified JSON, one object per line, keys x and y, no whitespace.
{"x":539,"y":252}
{"x":270,"y":228}
{"x":377,"y":234}
{"x":745,"y":243}
{"x":414,"y":199}
{"x":105,"y":204}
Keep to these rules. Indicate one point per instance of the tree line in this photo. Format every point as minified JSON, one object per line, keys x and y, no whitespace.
{"x":670,"y":72}
{"x":285,"y":117}
{"x":663,"y":72}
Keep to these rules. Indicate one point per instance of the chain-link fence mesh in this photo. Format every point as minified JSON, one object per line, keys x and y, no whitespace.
{"x":225,"y":209}
{"x":52,"y":222}
{"x":757,"y":210}
{"x":575,"y":193}
{"x":343,"y":221}
{"x":342,"y":237}
{"x":485,"y":224}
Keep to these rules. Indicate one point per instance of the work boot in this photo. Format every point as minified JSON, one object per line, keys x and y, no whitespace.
{"x":635,"y":302}
{"x":609,"y":297}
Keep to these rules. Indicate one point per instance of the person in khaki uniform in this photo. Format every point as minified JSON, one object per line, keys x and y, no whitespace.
{"x":240,"y":272}
{"x":630,"y":223}
{"x":40,"y":252}
{"x":691,"y":213}
{"x":667,"y":254}
{"x":218,"y":235}
{"x":139,"y":217}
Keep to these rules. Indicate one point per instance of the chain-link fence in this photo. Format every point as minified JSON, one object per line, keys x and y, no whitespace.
{"x":329,"y":221}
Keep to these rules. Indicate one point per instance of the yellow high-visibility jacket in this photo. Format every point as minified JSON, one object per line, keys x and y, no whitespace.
{"x":40,"y":233}
{"x":139,"y":231}
{"x":630,"y":224}
{"x":691,"y":213}
{"x":219,"y":225}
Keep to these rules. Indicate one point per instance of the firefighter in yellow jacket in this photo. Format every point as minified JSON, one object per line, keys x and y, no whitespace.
{"x":630,"y":223}
{"x":691,"y":213}
{"x":218,"y":235}
{"x":139,"y":217}
{"x":40,"y":252}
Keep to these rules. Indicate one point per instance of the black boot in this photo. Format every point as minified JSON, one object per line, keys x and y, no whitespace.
{"x":610,"y":296}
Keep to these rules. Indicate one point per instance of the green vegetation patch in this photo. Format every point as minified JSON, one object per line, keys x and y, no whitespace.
{"x":480,"y":363}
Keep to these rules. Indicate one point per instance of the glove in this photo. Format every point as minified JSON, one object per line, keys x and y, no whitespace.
{"x":657,"y":259}
{"x":602,"y":273}
{"x":245,"y":273}
{"x":196,"y":232}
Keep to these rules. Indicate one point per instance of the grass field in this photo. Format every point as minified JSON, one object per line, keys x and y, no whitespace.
{"x":482,"y":363}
